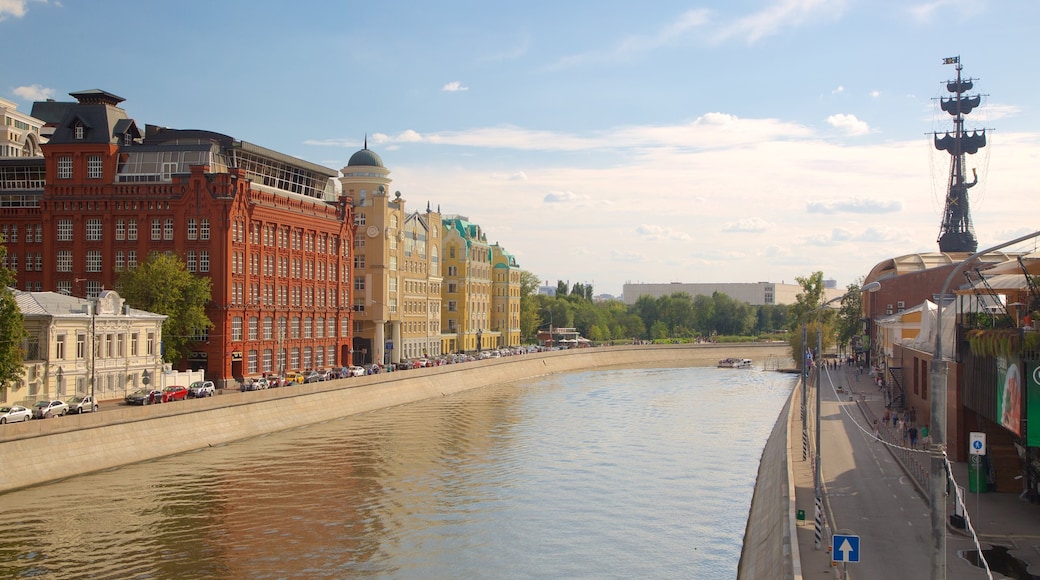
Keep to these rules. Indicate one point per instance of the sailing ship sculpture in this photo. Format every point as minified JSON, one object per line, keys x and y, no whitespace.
{"x":957,"y":233}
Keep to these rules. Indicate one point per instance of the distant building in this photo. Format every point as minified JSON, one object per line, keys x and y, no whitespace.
{"x":755,"y":293}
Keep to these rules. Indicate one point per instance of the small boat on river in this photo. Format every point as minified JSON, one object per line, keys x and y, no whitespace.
{"x":735,"y":363}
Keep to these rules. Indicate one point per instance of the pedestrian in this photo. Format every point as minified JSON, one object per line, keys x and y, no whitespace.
{"x":912,"y":431}
{"x":924,"y":436}
{"x":887,"y":417}
{"x":877,"y":431}
{"x":895,"y":420}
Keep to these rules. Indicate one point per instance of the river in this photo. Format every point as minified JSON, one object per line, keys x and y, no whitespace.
{"x":601,"y":474}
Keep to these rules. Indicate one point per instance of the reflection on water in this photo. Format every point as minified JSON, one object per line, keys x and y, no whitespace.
{"x":618,"y":474}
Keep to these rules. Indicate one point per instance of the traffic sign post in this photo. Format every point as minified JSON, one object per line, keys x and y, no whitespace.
{"x":845,"y":548}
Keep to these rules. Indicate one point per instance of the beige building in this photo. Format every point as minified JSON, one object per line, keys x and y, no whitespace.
{"x":505,"y":297}
{"x":59,"y":361}
{"x":466,"y":296}
{"x":397,"y":279}
{"x":21,"y":133}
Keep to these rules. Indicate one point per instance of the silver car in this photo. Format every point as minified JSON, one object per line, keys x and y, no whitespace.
{"x":47,"y":409}
{"x":14,"y":414}
{"x":79,"y":404}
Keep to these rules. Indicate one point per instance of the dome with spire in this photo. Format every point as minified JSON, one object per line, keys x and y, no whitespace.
{"x":365,"y":158}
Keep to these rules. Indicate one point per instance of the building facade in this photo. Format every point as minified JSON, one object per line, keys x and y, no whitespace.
{"x":505,"y":297}
{"x":22,"y":134}
{"x":59,"y":358}
{"x":466,"y":295}
{"x":397,"y":280}
{"x":270,"y":231}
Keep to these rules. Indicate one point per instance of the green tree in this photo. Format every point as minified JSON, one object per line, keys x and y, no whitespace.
{"x":562,"y":289}
{"x":529,"y":304}
{"x":12,"y":331}
{"x":850,"y":315}
{"x":163,"y":285}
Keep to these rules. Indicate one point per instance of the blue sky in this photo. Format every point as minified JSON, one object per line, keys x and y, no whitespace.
{"x":600,"y":142}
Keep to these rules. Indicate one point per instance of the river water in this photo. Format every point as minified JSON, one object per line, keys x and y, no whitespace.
{"x":630,"y":473}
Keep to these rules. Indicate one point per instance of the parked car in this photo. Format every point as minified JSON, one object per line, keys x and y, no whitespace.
{"x":356,"y":371}
{"x":330,"y":375}
{"x":254,"y":384}
{"x":14,"y":414}
{"x":200,"y":389}
{"x":143,"y":397}
{"x":174,"y":393}
{"x":80,"y":404}
{"x":314,"y":377}
{"x":275,"y":381}
{"x":46,"y":409}
{"x":296,"y":378}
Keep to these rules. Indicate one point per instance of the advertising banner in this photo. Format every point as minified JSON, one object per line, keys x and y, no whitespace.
{"x":1033,"y":403}
{"x":1009,"y":395}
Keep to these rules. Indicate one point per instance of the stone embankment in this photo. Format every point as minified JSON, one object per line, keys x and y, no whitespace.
{"x":47,"y":450}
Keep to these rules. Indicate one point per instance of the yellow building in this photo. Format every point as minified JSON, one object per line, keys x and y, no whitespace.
{"x":505,"y":297}
{"x":397,"y":284}
{"x":466,"y":291}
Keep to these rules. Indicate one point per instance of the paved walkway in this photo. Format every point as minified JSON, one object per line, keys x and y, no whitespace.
{"x":869,"y":490}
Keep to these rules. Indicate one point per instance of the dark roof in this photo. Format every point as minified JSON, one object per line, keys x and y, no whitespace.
{"x":96,"y":97}
{"x":365,"y":158}
{"x":51,"y":112}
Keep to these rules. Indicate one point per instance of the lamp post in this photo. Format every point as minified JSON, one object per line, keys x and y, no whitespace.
{"x":937,"y":431}
{"x":59,"y":375}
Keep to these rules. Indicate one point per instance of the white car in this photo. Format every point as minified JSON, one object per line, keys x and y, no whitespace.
{"x":47,"y":409}
{"x":200,"y":389}
{"x":355,"y":371}
{"x":78,"y":404}
{"x":14,"y":414}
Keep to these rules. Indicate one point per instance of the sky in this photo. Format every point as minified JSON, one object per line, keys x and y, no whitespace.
{"x":600,"y":142}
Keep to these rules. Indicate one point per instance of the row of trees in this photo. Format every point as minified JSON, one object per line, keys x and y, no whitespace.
{"x":683,"y":317}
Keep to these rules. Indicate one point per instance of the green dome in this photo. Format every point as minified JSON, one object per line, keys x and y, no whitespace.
{"x":365,"y":158}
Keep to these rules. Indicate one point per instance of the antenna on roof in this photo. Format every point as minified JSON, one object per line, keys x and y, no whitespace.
{"x":366,"y":140}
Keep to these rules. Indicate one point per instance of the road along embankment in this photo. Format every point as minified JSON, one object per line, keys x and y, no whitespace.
{"x":770,"y":538}
{"x":47,"y":450}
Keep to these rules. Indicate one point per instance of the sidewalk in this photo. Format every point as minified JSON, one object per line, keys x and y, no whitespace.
{"x":999,"y":518}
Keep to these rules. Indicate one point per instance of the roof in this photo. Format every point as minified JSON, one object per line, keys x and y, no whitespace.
{"x":920,"y":262}
{"x":61,"y":305}
{"x":365,"y":158}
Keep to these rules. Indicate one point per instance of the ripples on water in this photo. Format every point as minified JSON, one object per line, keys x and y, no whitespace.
{"x":605,"y":474}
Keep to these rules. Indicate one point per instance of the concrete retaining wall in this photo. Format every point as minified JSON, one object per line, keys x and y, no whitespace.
{"x":770,"y":548}
{"x":46,"y":450}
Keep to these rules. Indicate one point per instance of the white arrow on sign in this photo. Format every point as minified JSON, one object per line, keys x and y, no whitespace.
{"x":844,"y":549}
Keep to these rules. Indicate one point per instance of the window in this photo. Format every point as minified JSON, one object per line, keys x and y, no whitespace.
{"x":120,"y":230}
{"x":39,"y":233}
{"x":236,"y":328}
{"x":204,"y":229}
{"x":64,"y":230}
{"x":93,"y":288}
{"x":253,"y":324}
{"x":39,"y":263}
{"x":94,"y":167}
{"x":59,"y":347}
{"x":359,"y":262}
{"x":81,"y":346}
{"x":308,"y":325}
{"x":156,"y":229}
{"x":133,"y":344}
{"x":193,"y":229}
{"x":93,"y":261}
{"x":93,"y":230}
{"x":268,"y":327}
{"x":294,"y":330}
{"x":359,"y":283}
{"x":192,"y":261}
{"x":168,"y":229}
{"x":131,"y":260}
{"x":149,"y":344}
{"x":79,"y":132}
{"x":120,"y":261}
{"x":65,"y":167}
{"x":64,"y":260}
{"x":131,"y":230}
{"x":204,"y":261}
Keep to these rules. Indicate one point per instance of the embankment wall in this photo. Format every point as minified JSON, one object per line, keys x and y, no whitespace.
{"x":770,"y":538}
{"x":46,"y":450}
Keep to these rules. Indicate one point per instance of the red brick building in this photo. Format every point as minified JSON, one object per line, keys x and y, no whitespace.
{"x":272,"y":232}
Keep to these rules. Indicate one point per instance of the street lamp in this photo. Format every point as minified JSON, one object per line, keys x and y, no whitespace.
{"x":937,"y":430}
{"x":58,"y":377}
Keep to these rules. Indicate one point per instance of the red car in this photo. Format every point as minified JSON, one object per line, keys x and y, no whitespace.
{"x":174,"y":394}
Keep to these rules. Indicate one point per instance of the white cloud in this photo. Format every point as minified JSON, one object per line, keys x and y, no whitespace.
{"x":564,"y":197}
{"x":849,"y":124}
{"x":626,"y":256}
{"x":778,"y":16}
{"x":875,"y":94}
{"x":747,"y":225}
{"x":840,"y":89}
{"x":454,"y":87}
{"x":12,"y":8}
{"x":34,"y":92}
{"x":659,"y":233}
{"x":856,"y":205}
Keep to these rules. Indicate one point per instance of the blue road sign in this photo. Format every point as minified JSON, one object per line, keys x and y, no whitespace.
{"x":845,"y":548}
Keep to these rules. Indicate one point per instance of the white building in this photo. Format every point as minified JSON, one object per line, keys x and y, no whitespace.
{"x":20,"y":136}
{"x":58,"y":362}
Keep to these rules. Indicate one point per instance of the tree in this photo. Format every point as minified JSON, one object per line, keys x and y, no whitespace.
{"x":562,"y":288}
{"x":12,"y":331}
{"x":163,"y":285}
{"x":850,"y":315}
{"x":529,"y":304}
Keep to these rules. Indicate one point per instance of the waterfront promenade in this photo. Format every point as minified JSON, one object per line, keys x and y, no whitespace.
{"x":869,"y":491}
